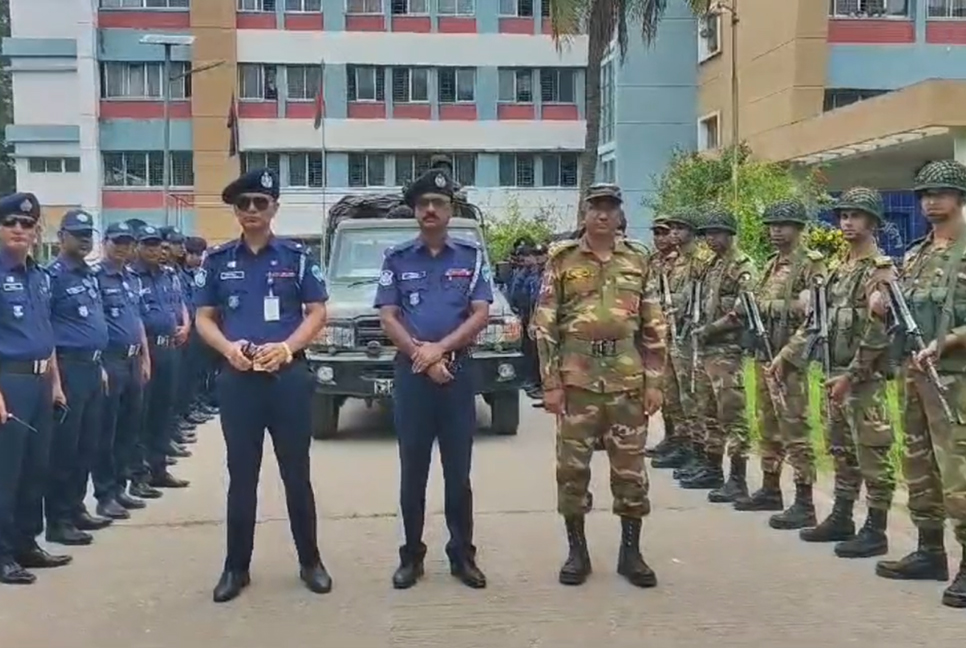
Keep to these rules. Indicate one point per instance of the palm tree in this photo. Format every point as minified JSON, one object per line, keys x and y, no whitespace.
{"x":606,"y":21}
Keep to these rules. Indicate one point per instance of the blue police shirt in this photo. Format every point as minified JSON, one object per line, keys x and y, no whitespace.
{"x":77,"y":313}
{"x":26,"y":333}
{"x":159,"y":300}
{"x":180,"y":291}
{"x":186,"y":278}
{"x":433,"y":293}
{"x":121,"y":294}
{"x":243,"y":286}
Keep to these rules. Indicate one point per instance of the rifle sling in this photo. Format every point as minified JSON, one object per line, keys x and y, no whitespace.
{"x":946,"y":316}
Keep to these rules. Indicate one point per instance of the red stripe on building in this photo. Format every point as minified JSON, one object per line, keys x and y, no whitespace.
{"x":114,"y":109}
{"x":304,"y":22}
{"x":262,"y":20}
{"x":141,"y":199}
{"x":946,"y":32}
{"x":867,"y":31}
{"x":107,"y":19}
{"x":456,"y":25}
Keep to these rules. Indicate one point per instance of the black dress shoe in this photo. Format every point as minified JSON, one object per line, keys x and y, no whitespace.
{"x":407,"y":574}
{"x":12,"y":573}
{"x":112,"y":510}
{"x":87,"y":522}
{"x":316,"y":578}
{"x":170,"y":461}
{"x":167,"y":480}
{"x":230,"y":585}
{"x":174,"y":450}
{"x":144,"y":491}
{"x":468,"y":573}
{"x":37,"y":558}
{"x":68,"y":534}
{"x":129,"y":502}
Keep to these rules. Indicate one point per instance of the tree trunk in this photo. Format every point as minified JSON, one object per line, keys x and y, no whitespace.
{"x":600,"y":32}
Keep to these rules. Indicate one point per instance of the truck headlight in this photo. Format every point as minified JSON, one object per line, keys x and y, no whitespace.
{"x":325,"y":374}
{"x":501,"y":331}
{"x":337,"y":335}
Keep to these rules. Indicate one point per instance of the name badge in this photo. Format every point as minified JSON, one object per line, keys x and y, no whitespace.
{"x":271,"y":309}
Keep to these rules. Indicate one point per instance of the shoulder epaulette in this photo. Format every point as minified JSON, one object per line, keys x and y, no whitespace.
{"x":883,"y":262}
{"x":638,"y":246}
{"x":814,"y":255}
{"x":396,"y":249}
{"x":221,"y":247}
{"x":559,"y":246}
{"x":295,"y":246}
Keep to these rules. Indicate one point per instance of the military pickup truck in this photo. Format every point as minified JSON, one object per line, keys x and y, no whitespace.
{"x":353,"y":358}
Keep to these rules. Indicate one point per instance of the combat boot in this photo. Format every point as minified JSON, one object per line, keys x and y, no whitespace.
{"x":837,"y":527}
{"x":927,"y":562}
{"x":871,"y":539}
{"x":674,"y":458}
{"x":693,"y":464}
{"x":799,"y":515}
{"x":737,"y":485}
{"x":767,"y":498}
{"x":577,"y":567}
{"x":630,"y":563}
{"x":955,"y":594}
{"x":709,"y":476}
{"x":667,"y":444}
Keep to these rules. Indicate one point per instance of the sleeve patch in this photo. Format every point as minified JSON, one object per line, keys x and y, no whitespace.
{"x":386,"y":278}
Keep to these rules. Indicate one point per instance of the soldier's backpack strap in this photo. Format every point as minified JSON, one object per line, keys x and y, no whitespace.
{"x":946,"y":317}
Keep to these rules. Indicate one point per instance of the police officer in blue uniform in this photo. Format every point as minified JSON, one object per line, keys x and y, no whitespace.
{"x":160,"y":302}
{"x":199,"y":355}
{"x":261,"y":302}
{"x":28,"y":383}
{"x":172,"y":251}
{"x":128,"y":367}
{"x":433,"y":298}
{"x":80,"y":334}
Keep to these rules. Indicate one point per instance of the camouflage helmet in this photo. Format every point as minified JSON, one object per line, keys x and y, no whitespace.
{"x":680,"y":217}
{"x":791,"y":210}
{"x":942,"y":174}
{"x":863,"y":199}
{"x":660,"y":222}
{"x":718,"y":220}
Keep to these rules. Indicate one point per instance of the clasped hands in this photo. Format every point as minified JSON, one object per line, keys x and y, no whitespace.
{"x":555,"y":403}
{"x":428,"y":359}
{"x":269,"y":357}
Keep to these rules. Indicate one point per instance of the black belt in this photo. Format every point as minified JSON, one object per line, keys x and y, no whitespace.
{"x":121,"y":352}
{"x":28,"y":367}
{"x":79,"y":355}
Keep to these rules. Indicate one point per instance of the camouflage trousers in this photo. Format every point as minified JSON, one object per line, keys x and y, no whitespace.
{"x":721,"y":399}
{"x":676,"y":400}
{"x":935,"y":457}
{"x":618,"y":419}
{"x":784,"y":424}
{"x":859,"y":440}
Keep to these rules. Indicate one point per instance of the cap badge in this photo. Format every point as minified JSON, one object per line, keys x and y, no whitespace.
{"x":123,"y":227}
{"x":82,"y":218}
{"x":149,"y":230}
{"x":26,"y":206}
{"x":267,"y":181}
{"x":440,"y":181}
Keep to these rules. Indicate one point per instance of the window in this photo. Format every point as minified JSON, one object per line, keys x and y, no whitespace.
{"x":455,"y":7}
{"x":608,"y":171}
{"x":558,"y":86}
{"x":367,"y":170}
{"x":410,"y":7}
{"x":256,"y":5}
{"x":457,"y":85}
{"x":410,"y":166}
{"x":303,"y":6}
{"x":871,"y":8}
{"x":521,"y":8}
{"x":464,"y":166}
{"x":363,"y":6}
{"x":517,"y":170}
{"x":257,"y":82}
{"x":366,"y":83}
{"x":946,"y":9}
{"x":259,"y":160}
{"x":53,"y":165}
{"x":410,"y":85}
{"x":516,"y":86}
{"x":607,"y":116}
{"x":305,"y":170}
{"x":144,"y":4}
{"x":143,"y":81}
{"x":146,"y":169}
{"x":709,"y":136}
{"x":709,"y":36}
{"x":839,"y":97}
{"x":303,"y":81}
{"x":560,"y":170}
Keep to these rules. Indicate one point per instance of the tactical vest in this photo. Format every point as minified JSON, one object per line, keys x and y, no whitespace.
{"x":848,"y":312}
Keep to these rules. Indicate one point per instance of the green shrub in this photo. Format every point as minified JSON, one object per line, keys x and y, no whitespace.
{"x":502,"y":229}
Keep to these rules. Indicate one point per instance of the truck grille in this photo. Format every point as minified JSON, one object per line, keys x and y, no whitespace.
{"x":370,"y":330}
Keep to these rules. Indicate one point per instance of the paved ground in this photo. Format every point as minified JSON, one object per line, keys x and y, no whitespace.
{"x":725,"y":578}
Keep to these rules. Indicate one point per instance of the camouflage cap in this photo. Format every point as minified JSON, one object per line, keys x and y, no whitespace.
{"x":942,"y":174}
{"x":861,"y":199}
{"x":604,"y":190}
{"x":660,"y":222}
{"x":718,"y":220}
{"x":790,"y":210}
{"x":680,"y":218}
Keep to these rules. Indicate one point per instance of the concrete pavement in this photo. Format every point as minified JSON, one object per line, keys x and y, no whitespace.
{"x":726,"y":579}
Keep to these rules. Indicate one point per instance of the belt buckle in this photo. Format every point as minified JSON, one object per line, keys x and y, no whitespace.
{"x":132,"y":350}
{"x":40,"y":366}
{"x":604,"y":348}
{"x":96,"y":357}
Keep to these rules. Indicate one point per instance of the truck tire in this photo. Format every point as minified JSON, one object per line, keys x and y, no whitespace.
{"x":325,"y":416}
{"x":505,"y":412}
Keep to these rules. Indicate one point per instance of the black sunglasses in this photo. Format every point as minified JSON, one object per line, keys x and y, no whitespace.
{"x":260,"y":203}
{"x":24,"y":221}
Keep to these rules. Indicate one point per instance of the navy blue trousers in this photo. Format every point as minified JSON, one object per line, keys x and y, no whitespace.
{"x":158,"y":410}
{"x":251,"y":403}
{"x":117,"y":455}
{"x":424,"y":413}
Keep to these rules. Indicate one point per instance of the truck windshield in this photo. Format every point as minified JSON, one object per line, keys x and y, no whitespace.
{"x":358,"y":253}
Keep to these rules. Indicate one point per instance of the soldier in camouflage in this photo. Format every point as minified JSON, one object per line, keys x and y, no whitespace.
{"x":721,"y":387}
{"x":601,"y":338}
{"x":783,"y":408}
{"x":859,"y":435}
{"x":933,"y":282}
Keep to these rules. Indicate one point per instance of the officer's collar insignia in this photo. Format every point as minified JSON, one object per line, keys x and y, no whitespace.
{"x":267,"y":181}
{"x":26,"y":206}
{"x":440,"y":181}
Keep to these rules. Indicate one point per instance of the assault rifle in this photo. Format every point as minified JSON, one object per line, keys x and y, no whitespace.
{"x":694,"y":322}
{"x":905,"y":320}
{"x":818,"y":338}
{"x":669,"y":310}
{"x":757,"y":327}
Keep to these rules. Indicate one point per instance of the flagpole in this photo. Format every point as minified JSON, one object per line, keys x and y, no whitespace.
{"x":325,"y":155}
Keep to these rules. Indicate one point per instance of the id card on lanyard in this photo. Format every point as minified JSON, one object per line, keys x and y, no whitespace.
{"x":270,"y":306}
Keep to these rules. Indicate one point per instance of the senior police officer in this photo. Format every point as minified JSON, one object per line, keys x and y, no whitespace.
{"x":434,"y":294}
{"x":28,"y":382}
{"x":159,"y":305}
{"x":80,"y":333}
{"x":128,"y":364}
{"x":601,"y":338}
{"x":250,"y":297}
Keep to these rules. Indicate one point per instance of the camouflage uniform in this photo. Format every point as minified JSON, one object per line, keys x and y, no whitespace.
{"x":859,"y":435}
{"x":784,"y":416}
{"x":933,"y":282}
{"x":720,"y":385}
{"x":600,"y":335}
